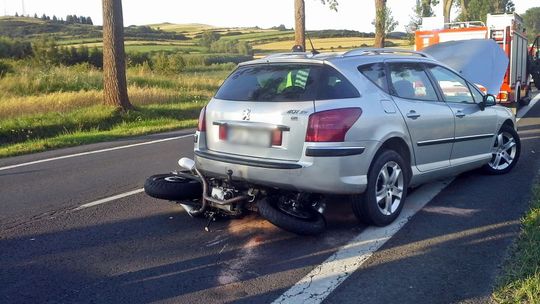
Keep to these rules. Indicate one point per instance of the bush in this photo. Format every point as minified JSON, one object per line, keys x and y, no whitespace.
{"x":4,"y":69}
{"x":231,"y":47}
{"x":168,"y":63}
{"x":48,"y":53}
{"x":15,"y":49}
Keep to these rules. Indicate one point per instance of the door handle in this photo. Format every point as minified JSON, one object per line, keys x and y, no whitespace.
{"x":460,"y":114}
{"x":412,"y":114}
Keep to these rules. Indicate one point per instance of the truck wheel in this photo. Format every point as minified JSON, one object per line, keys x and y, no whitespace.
{"x":505,"y":152}
{"x":526,"y":100}
{"x":383,"y":199}
{"x":173,"y":187}
{"x":307,"y":222}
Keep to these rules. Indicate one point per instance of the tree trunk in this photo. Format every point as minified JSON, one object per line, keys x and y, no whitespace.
{"x":426,"y":8}
{"x":300,"y":23}
{"x":447,"y":8}
{"x":380,"y":16}
{"x":464,"y":13}
{"x":114,"y":61}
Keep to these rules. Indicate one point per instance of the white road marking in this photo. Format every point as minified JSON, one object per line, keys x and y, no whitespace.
{"x":109,"y":199}
{"x":323,"y":279}
{"x":93,"y":152}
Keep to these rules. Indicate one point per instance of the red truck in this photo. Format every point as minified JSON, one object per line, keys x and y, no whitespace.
{"x":505,"y":29}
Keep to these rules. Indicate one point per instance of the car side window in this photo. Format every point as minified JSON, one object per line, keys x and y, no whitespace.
{"x":453,"y":87}
{"x":409,"y":80}
{"x":335,"y":86}
{"x":478,"y":97}
{"x":376,"y":73}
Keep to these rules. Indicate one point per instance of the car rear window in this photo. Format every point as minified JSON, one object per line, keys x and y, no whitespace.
{"x":286,"y":82}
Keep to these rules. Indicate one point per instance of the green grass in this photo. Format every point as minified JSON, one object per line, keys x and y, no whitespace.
{"x":521,"y":280}
{"x":54,"y":107}
{"x":101,"y":123}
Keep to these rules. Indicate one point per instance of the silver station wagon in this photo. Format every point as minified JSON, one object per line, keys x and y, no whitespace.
{"x":284,"y":131}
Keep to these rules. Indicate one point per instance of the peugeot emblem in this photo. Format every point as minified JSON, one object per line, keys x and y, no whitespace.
{"x":246,"y":115}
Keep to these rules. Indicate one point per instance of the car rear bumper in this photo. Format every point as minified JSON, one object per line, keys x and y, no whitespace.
{"x":322,"y":169}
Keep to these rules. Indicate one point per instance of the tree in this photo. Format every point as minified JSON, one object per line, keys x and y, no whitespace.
{"x":16,"y":14}
{"x":300,"y":23}
{"x":332,"y":4}
{"x":477,"y":10}
{"x":54,"y":19}
{"x":89,"y":21}
{"x":380,"y":22}
{"x":35,"y":16}
{"x":447,"y":9}
{"x":114,"y":64}
{"x":300,"y":19}
{"x":532,"y":22}
{"x":208,"y":38}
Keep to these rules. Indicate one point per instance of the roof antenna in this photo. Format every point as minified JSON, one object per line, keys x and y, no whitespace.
{"x":313,"y":50}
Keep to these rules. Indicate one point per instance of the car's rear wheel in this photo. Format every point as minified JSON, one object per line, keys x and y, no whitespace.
{"x":383,"y":199}
{"x":288,"y":216}
{"x":505,"y":152}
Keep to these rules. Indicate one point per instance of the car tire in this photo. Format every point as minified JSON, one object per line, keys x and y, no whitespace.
{"x":505,"y":153}
{"x":173,"y":187}
{"x":385,"y":194}
{"x":268,"y":209}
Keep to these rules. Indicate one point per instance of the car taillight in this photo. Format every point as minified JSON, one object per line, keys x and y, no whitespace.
{"x":277,"y":137}
{"x":331,"y":125}
{"x":222,"y":132}
{"x":201,"y":125}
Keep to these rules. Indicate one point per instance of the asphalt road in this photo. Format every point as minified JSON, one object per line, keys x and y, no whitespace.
{"x":138,"y":250}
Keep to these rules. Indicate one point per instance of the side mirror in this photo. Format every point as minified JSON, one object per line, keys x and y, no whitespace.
{"x":488,"y":101}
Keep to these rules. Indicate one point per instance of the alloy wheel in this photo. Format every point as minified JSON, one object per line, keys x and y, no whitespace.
{"x":503,"y":152}
{"x":389,"y":188}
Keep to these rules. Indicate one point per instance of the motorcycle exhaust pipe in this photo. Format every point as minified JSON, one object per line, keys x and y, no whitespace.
{"x":189,"y":209}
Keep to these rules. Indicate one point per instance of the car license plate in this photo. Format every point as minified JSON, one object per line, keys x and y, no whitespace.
{"x":249,"y":137}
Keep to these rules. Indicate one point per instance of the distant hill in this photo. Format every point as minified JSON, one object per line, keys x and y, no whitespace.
{"x":32,"y":28}
{"x":185,"y":38}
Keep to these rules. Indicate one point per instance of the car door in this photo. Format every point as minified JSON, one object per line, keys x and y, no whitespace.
{"x":430,"y":121}
{"x":475,"y":128}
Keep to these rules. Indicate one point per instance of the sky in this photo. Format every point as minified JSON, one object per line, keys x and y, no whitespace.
{"x":352,"y":14}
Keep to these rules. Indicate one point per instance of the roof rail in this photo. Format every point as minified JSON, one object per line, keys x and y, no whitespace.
{"x":379,"y":51}
{"x":297,"y":54}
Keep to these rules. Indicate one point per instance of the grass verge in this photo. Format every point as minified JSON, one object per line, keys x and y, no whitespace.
{"x":521,"y":280}
{"x":101,"y":123}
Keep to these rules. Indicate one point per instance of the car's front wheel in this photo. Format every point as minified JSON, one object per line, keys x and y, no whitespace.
{"x":383,"y":200}
{"x":505,"y":152}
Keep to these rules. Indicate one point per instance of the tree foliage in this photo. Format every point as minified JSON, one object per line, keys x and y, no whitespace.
{"x":332,"y":4}
{"x":388,"y":21}
{"x":209,"y":37}
{"x":532,"y":22}
{"x":477,"y":10}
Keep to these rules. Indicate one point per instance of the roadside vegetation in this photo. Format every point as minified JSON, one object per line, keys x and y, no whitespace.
{"x":521,"y":280}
